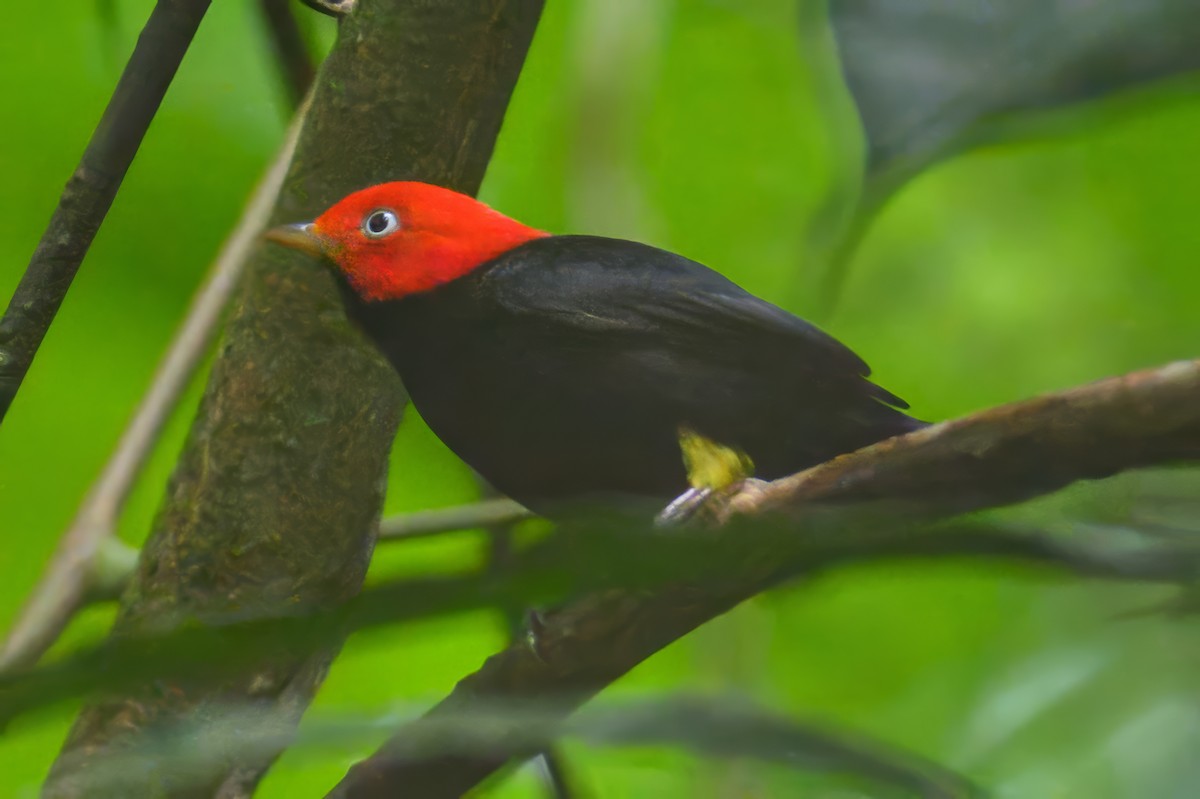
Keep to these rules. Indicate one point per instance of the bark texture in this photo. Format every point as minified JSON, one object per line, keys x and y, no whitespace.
{"x":274,"y":504}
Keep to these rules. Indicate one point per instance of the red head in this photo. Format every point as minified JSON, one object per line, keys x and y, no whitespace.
{"x":397,"y":239}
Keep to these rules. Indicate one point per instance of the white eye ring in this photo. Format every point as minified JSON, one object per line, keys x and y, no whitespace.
{"x":379,"y":223}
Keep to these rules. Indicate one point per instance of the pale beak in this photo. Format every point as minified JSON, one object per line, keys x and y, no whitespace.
{"x":299,"y":237}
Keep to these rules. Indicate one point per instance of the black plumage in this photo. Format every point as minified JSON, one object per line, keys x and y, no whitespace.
{"x":564,"y":368}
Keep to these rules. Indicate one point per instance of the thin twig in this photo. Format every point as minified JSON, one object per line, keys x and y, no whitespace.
{"x":69,"y":579}
{"x":90,"y":191}
{"x":291,"y":52}
{"x":487,"y":513}
{"x":1083,"y":550}
{"x":111,"y":581}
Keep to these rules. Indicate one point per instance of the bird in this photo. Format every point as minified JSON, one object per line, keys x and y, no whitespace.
{"x":563,"y":368}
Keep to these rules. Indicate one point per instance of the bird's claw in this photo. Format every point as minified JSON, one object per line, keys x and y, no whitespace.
{"x":708,"y":504}
{"x":683,"y":508}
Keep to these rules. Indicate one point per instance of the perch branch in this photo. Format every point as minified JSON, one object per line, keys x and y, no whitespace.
{"x":70,"y":579}
{"x":565,"y":566}
{"x":90,"y":191}
{"x":1012,"y":452}
{"x":991,"y":458}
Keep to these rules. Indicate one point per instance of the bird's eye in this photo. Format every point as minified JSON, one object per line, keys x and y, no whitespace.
{"x":378,"y":224}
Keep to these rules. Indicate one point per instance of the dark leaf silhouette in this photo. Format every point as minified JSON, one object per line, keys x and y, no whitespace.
{"x":931,"y":78}
{"x":709,"y":726}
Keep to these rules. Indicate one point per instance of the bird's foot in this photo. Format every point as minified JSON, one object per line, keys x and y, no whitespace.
{"x":683,"y":508}
{"x":709,"y":505}
{"x":717,"y":474}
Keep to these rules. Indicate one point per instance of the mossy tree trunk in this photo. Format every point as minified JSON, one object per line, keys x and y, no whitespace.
{"x":275,"y":501}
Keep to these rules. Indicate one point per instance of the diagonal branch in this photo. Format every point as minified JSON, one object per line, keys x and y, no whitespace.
{"x":875,"y":496}
{"x":1138,"y":420}
{"x":90,"y":191}
{"x":1012,"y":452}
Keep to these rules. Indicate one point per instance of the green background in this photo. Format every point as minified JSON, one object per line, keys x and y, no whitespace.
{"x":696,"y":126}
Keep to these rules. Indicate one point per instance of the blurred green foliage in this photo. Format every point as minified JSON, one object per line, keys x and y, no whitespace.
{"x":715,"y":129}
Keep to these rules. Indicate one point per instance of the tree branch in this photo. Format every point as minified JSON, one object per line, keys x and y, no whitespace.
{"x":273,"y":506}
{"x":1082,"y":550}
{"x":877,"y":494}
{"x":566,"y":566}
{"x":1012,"y":452}
{"x":90,"y":191}
{"x":487,"y":513}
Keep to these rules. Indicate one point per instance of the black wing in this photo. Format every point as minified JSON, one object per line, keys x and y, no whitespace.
{"x":586,"y":286}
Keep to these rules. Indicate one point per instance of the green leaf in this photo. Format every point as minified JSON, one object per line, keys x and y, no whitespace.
{"x":932,"y":78}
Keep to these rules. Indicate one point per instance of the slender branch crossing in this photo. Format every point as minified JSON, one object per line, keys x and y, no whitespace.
{"x":90,"y":191}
